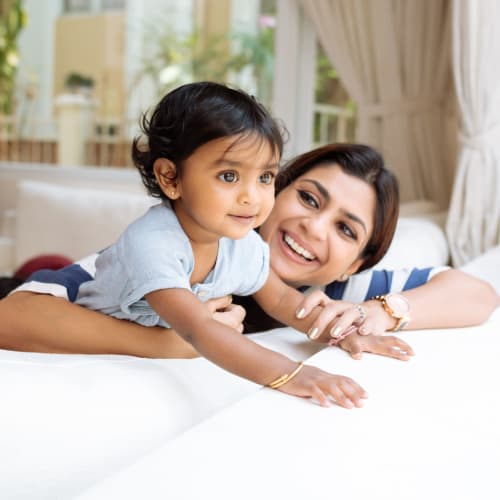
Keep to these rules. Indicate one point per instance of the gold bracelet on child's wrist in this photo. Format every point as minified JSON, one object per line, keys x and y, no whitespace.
{"x":275,"y":384}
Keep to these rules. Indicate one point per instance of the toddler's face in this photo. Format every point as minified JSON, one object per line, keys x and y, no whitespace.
{"x":226,"y":188}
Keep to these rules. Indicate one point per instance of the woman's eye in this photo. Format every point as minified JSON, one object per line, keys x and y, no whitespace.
{"x":228,"y":176}
{"x":348,"y":231}
{"x":267,"y":178}
{"x":308,"y":199}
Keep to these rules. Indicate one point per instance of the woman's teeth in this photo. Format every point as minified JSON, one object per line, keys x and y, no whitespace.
{"x":297,"y":248}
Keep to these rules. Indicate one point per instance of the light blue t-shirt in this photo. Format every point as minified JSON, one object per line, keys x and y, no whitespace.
{"x":154,"y":253}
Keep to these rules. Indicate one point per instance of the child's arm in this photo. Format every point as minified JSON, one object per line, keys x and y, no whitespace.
{"x":237,"y":354}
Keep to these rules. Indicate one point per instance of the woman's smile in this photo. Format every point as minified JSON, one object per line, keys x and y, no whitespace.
{"x":296,"y":249}
{"x":319,"y":226}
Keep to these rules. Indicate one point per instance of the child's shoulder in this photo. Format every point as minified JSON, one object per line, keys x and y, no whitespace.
{"x":157,"y":217}
{"x":159,"y":224}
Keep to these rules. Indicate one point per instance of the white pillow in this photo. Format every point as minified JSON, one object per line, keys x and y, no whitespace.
{"x":71,"y":221}
{"x":418,"y":242}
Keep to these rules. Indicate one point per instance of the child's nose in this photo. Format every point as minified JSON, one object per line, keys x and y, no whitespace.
{"x":248,"y":194}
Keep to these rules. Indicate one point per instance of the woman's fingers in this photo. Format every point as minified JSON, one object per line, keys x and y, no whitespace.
{"x":311,"y":300}
{"x":219,"y":304}
{"x":233,"y":316}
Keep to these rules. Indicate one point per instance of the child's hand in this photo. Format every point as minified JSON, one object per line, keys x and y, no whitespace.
{"x":393,"y":347}
{"x":311,"y":382}
{"x":227,"y":313}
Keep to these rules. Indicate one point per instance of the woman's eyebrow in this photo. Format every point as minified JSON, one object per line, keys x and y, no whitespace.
{"x":324,"y":192}
{"x":355,"y":218}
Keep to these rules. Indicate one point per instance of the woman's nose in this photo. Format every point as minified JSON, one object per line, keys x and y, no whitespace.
{"x":316,"y":226}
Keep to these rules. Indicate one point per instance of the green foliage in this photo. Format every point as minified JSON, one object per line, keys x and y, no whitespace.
{"x":173,"y":58}
{"x":12,"y":21}
{"x":78,"y":80}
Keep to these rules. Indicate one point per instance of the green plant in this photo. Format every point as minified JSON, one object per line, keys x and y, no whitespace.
{"x":77,"y":80}
{"x":12,"y":21}
{"x":172,"y":58}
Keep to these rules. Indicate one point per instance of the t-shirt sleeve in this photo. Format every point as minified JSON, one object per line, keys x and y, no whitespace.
{"x":250,"y":264}
{"x":152,"y":260}
{"x":365,"y":285}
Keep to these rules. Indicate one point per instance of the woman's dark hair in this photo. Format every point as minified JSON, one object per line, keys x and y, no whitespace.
{"x":194,"y":114}
{"x":366,"y":164}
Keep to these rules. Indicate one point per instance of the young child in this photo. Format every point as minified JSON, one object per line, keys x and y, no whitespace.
{"x":211,"y":156}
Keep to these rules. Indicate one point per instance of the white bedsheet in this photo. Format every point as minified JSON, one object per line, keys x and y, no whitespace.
{"x":430,"y":430}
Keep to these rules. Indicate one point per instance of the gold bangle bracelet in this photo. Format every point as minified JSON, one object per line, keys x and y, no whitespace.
{"x":286,"y":377}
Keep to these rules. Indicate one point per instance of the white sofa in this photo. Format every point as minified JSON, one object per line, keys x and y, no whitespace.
{"x":74,"y":425}
{"x":76,"y":210}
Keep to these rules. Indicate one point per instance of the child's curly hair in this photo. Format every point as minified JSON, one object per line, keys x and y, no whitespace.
{"x":192,"y":115}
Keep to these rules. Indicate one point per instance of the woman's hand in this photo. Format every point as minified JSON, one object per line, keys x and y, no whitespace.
{"x":338,"y":318}
{"x":224,"y":311}
{"x":335,"y":319}
{"x":387,"y":345}
{"x":311,"y":382}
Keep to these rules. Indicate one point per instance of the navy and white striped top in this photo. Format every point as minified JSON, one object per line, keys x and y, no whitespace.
{"x":358,"y":288}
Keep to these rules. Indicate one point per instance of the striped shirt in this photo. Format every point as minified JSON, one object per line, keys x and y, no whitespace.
{"x":66,"y":282}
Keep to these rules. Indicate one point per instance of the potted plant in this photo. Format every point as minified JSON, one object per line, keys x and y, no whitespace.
{"x":79,"y":84}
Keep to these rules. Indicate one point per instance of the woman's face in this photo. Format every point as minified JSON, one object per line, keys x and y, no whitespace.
{"x":319,"y":226}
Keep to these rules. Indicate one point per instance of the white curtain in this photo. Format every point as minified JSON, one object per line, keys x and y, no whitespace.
{"x":393,"y":58}
{"x":474,"y":217}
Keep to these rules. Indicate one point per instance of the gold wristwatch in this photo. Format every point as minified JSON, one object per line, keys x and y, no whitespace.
{"x":398,"y":307}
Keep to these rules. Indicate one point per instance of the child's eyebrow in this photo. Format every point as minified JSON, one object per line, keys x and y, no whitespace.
{"x":233,"y":163}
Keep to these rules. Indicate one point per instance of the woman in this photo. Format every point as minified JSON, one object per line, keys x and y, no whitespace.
{"x":335,"y":215}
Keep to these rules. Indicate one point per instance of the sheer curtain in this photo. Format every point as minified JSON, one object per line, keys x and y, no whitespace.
{"x":474,"y":217}
{"x":393,"y":58}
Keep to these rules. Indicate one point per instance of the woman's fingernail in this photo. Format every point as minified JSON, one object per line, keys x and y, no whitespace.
{"x":313,"y":333}
{"x":300,"y":314}
{"x":362,"y":329}
{"x":336,"y":332}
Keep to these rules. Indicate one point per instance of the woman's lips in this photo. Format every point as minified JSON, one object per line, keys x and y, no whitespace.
{"x":295,"y":250}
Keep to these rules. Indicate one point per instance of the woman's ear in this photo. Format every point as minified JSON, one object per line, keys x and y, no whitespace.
{"x":166,"y":176}
{"x":353,"y":268}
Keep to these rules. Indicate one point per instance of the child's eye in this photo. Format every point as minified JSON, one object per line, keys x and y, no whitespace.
{"x":267,"y":178}
{"x":348,"y":231}
{"x":308,"y":198}
{"x":228,"y":176}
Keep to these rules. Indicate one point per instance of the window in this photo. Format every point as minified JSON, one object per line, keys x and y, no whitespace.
{"x":77,"y":6}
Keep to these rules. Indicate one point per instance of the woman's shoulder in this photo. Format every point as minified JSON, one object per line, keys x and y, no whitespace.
{"x":365,"y":285}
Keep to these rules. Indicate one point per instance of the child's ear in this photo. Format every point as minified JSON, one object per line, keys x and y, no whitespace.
{"x":166,"y":177}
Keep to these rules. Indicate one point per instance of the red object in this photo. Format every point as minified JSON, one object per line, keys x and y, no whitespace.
{"x":48,"y":261}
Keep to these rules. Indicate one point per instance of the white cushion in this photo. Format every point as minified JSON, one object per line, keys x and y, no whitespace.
{"x":71,"y":221}
{"x":486,"y":267}
{"x":418,"y":242}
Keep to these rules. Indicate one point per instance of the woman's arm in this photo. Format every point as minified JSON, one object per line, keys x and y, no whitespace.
{"x":450,"y":299}
{"x":43,"y":323}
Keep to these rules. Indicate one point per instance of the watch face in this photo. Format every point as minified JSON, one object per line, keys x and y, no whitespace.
{"x":398,"y":304}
